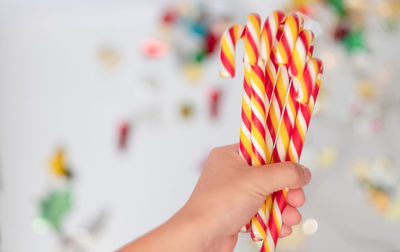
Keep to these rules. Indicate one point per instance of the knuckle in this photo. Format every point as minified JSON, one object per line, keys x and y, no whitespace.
{"x":295,"y":171}
{"x":214,"y":151}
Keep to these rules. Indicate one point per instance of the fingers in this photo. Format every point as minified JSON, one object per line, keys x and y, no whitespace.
{"x":277,"y":176}
{"x":285,"y":231}
{"x":296,"y":197}
{"x":233,"y":147}
{"x":291,"y":216}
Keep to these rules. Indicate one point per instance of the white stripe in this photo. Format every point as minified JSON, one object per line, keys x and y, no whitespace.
{"x":278,"y":213}
{"x":254,"y":34}
{"x":291,"y":114}
{"x":224,"y":73}
{"x":269,"y":142}
{"x":302,"y":122}
{"x":229,"y":41}
{"x":247,"y":100}
{"x":289,"y":37}
{"x":259,"y":117}
{"x":294,"y":152}
{"x":270,"y":242}
{"x":258,"y":91}
{"x":259,"y":150}
{"x":246,"y":131}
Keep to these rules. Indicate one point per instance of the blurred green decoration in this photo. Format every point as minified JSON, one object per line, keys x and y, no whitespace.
{"x":339,"y":7}
{"x":200,"y":56}
{"x":55,"y":206}
{"x":354,"y":40}
{"x":57,"y":202}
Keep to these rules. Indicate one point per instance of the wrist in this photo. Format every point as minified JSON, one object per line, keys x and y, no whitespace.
{"x":192,"y":228}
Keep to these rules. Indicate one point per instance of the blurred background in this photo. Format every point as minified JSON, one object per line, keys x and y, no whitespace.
{"x":108,"y":110}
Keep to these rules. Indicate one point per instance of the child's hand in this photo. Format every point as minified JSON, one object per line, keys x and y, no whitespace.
{"x":230,"y":192}
{"x":227,"y":195}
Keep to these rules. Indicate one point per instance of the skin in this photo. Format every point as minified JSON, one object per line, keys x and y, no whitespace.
{"x":229,"y":192}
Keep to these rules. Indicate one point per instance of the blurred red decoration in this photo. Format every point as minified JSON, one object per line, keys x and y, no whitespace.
{"x":211,"y":42}
{"x":214,"y":101}
{"x":341,"y":32}
{"x":123,"y":135}
{"x":169,"y":16}
{"x":153,"y":48}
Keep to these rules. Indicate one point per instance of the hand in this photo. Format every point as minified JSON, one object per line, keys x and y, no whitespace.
{"x":227,"y":195}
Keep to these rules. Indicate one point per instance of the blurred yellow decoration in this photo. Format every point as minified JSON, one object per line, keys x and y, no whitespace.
{"x":357,"y":5}
{"x":186,"y":111}
{"x":360,"y":170}
{"x":366,"y":90}
{"x":57,"y":165}
{"x":389,"y":9}
{"x":393,"y":212}
{"x":301,"y":2}
{"x":109,"y":57}
{"x":327,"y":157}
{"x":192,"y":71}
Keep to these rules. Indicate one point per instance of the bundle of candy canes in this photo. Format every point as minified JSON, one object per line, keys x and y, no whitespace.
{"x":281,"y":84}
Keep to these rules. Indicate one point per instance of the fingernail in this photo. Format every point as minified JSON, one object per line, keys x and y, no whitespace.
{"x":307,"y":174}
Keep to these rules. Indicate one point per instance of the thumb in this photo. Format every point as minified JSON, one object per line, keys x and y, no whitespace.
{"x":275,"y":177}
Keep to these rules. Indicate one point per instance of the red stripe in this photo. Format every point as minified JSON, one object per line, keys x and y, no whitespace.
{"x":259,"y":125}
{"x":280,"y":16}
{"x":232,"y":35}
{"x":269,"y":85}
{"x":315,"y":92}
{"x":252,"y":44}
{"x":286,"y":45}
{"x":259,"y":71}
{"x":272,"y":225}
{"x":297,"y":141}
{"x":245,"y":154}
{"x":275,"y":156}
{"x":227,"y":64}
{"x":306,"y":114}
{"x":271,"y":129}
{"x":259,"y":101}
{"x":257,"y":155}
{"x":269,"y":34}
{"x":280,"y":200}
{"x":261,"y":221}
{"x":246,"y":121}
{"x":247,"y":88}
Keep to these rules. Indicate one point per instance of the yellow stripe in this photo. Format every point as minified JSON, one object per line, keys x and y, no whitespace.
{"x":284,"y":136}
{"x":255,"y":22}
{"x":282,"y":53}
{"x":259,"y":109}
{"x":278,"y":227}
{"x":298,"y":62}
{"x":258,"y":226}
{"x":227,"y":51}
{"x":293,"y":28}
